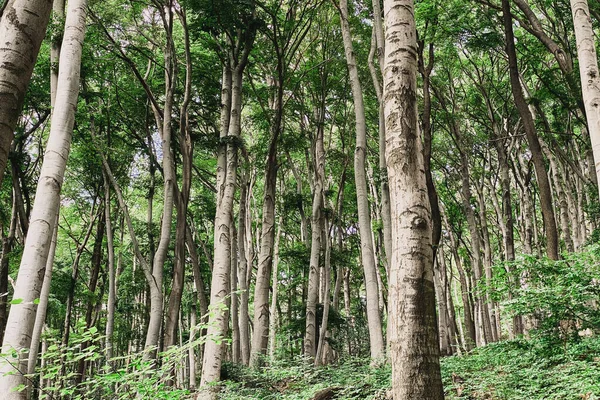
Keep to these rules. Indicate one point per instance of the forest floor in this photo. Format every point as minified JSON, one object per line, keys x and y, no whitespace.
{"x":518,"y":369}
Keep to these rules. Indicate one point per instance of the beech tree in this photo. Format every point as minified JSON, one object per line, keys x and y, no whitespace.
{"x":43,"y":220}
{"x":414,"y":346}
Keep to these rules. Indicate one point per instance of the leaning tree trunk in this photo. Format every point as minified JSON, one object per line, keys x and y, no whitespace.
{"x":362,"y":195}
{"x":590,"y":75}
{"x":22,"y":29}
{"x":532,"y":138}
{"x":43,"y":219}
{"x":414,"y":346}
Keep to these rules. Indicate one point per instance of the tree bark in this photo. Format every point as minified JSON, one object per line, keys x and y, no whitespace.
{"x":112,"y":275}
{"x":43,"y":219}
{"x":22,"y":29}
{"x":532,"y":138}
{"x":414,"y":335}
{"x":589,"y":73}
{"x":376,"y":342}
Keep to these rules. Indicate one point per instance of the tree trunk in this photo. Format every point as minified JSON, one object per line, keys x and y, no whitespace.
{"x":376,"y":342}
{"x":243,"y":270}
{"x":7,"y":245}
{"x":260,"y":338}
{"x":43,"y":219}
{"x":414,"y":335}
{"x":22,"y":29}
{"x":590,"y":75}
{"x":226,"y":181}
{"x":532,"y":138}
{"x":273,"y":308}
{"x":40,"y":316}
{"x":310,"y":336}
{"x":112,"y":276}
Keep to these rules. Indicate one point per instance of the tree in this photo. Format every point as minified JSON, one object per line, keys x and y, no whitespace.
{"x":589,"y":73}
{"x":22,"y":28}
{"x":364,"y":216}
{"x":414,"y":346}
{"x":33,"y":264}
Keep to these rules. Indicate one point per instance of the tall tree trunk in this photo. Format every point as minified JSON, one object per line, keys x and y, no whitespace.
{"x":414,"y":335}
{"x":169,"y":180}
{"x":275,"y":298}
{"x":532,"y":138}
{"x":17,"y":339}
{"x":112,"y":275}
{"x":243,"y":270}
{"x":260,"y":337}
{"x":22,"y":29}
{"x":590,"y":75}
{"x":376,"y":342}
{"x":310,"y":336}
{"x":226,"y":181}
{"x":182,"y":200}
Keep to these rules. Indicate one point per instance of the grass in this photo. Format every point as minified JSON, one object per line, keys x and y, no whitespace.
{"x":512,"y":370}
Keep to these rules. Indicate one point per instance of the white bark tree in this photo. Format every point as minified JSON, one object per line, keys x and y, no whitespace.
{"x":362,"y":195}
{"x":22,"y":28}
{"x":588,"y":70}
{"x":413,"y":333}
{"x":43,"y":218}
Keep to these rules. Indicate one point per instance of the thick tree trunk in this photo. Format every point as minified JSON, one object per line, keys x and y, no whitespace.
{"x":22,"y":29}
{"x":364,"y":217}
{"x":532,"y":138}
{"x":414,"y":335}
{"x":590,"y":75}
{"x":43,"y":220}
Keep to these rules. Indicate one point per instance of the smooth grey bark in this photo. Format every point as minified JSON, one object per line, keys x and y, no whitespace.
{"x":377,"y":345}
{"x":181,"y":197}
{"x":17,"y":339}
{"x":112,"y":274}
{"x":310,"y":333}
{"x":589,"y":73}
{"x":226,"y":186}
{"x":414,"y":342}
{"x":22,"y":29}
{"x":40,"y":316}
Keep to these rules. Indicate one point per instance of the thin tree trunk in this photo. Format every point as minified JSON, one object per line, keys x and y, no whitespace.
{"x":17,"y":339}
{"x":7,"y":245}
{"x":112,"y":276}
{"x":532,"y":138}
{"x":186,"y":148}
{"x":322,"y":343}
{"x":243,"y":271}
{"x":272,"y":310}
{"x":376,"y":342}
{"x":40,"y":316}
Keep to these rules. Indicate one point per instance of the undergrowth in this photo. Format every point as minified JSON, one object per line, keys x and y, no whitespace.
{"x":512,"y":370}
